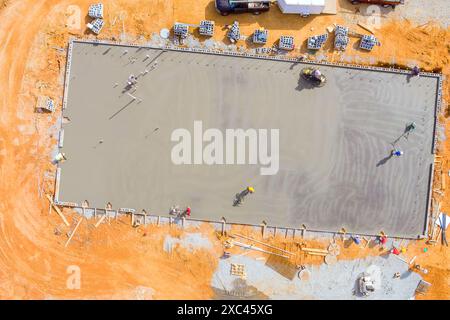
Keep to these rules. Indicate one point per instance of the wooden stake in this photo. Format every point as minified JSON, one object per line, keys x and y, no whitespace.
{"x":367,"y":241}
{"x":73,"y":232}
{"x":58,"y":211}
{"x":100,"y":221}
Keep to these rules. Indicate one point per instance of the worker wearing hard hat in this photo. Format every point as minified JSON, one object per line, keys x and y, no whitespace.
{"x":240,"y":196}
{"x":247,"y":191}
{"x":397,"y":153}
{"x":317,"y":74}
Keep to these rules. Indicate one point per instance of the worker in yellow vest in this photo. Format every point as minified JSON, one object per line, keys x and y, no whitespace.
{"x":240,"y":196}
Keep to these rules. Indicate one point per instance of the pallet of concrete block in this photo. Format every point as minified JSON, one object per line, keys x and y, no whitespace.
{"x":316,"y":42}
{"x":234,"y":34}
{"x":181,"y":30}
{"x":96,"y":25}
{"x":96,"y":11}
{"x":45,"y":104}
{"x":260,"y":36}
{"x":206,"y":28}
{"x":368,"y":42}
{"x":286,"y":43}
{"x":341,"y":37}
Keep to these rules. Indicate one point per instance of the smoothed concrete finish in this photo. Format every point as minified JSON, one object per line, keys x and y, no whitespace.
{"x":334,"y":141}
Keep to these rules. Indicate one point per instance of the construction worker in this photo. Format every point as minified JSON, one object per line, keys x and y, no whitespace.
{"x":60,"y":157}
{"x":317,"y":74}
{"x":416,"y":71}
{"x":240,"y":196}
{"x":410,"y":127}
{"x":382,"y":240}
{"x":397,"y":152}
{"x":187,"y":212}
{"x":356,"y":239}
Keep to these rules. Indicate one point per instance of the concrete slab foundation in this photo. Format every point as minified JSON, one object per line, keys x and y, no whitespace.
{"x":335,"y":170}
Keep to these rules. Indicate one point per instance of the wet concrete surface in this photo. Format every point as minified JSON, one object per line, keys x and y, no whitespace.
{"x":335,"y":141}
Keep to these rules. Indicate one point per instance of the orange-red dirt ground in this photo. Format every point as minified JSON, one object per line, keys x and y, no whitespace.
{"x":116,"y":260}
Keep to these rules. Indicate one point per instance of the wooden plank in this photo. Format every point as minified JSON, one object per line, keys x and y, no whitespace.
{"x":315,"y":250}
{"x":260,"y":242}
{"x":249,"y":246}
{"x":366,"y":27}
{"x":73,"y":232}
{"x":58,"y":211}
{"x":316,"y":253}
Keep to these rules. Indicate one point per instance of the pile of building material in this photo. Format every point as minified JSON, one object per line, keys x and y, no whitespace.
{"x":260,"y":36}
{"x":423,"y":287}
{"x":45,"y":104}
{"x":231,"y":243}
{"x":96,"y":26}
{"x":286,"y":43}
{"x":206,"y":28}
{"x":368,"y":42}
{"x":316,"y":42}
{"x":181,"y":30}
{"x":238,"y":270}
{"x":234,"y":33}
{"x":330,"y":254}
{"x":96,"y":12}
{"x":341,"y":37}
{"x":263,"y":50}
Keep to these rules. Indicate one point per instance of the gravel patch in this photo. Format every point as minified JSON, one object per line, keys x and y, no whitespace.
{"x":323,"y":283}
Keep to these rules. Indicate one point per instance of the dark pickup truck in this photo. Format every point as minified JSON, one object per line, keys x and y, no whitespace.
{"x":225,"y":7}
{"x":383,"y":3}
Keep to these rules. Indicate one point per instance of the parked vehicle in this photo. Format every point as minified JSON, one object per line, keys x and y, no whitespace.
{"x":225,"y":7}
{"x":383,"y":3}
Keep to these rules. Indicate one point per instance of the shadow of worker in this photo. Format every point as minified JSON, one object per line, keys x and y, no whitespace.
{"x":385,"y":159}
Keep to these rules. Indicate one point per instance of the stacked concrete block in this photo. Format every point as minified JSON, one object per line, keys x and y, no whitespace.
{"x":234,"y":34}
{"x":181,"y":30}
{"x":206,"y":28}
{"x":260,"y":36}
{"x":96,"y":26}
{"x":45,"y":104}
{"x":316,"y":42}
{"x":341,"y":39}
{"x":368,"y":42}
{"x":96,"y":11}
{"x":286,"y":43}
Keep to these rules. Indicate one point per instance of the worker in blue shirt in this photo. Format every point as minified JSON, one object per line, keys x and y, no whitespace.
{"x":397,"y":153}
